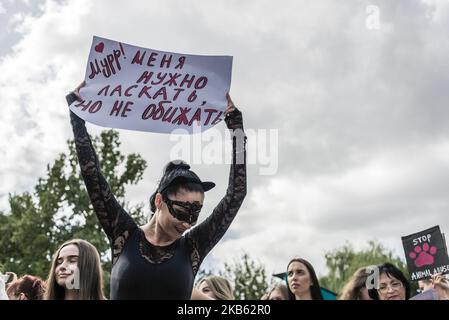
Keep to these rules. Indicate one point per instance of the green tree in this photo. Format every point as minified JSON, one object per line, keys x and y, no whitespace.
{"x":344,"y":261}
{"x":59,"y":209}
{"x":249,"y":278}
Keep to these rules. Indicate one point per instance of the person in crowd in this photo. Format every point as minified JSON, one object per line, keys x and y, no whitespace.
{"x":213,"y":287}
{"x":27,"y":287}
{"x":160,"y":259}
{"x":75,"y":273}
{"x":424,"y":285}
{"x":393,"y":285}
{"x":302,"y":281}
{"x":441,"y":286}
{"x":356,"y":288}
{"x":278,"y":291}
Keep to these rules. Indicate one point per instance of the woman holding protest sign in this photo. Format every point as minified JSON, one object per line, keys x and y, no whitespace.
{"x":157,"y":260}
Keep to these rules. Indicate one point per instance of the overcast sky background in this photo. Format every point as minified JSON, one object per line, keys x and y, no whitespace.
{"x":361,"y":113}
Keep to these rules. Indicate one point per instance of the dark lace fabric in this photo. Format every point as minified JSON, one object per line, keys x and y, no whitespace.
{"x":119,"y":226}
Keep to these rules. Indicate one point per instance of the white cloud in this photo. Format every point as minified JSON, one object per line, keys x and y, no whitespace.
{"x":361,"y":113}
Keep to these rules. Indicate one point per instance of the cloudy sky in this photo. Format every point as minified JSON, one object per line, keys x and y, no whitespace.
{"x":359,"y":107}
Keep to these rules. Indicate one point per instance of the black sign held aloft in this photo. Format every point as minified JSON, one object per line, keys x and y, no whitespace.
{"x":426,"y":253}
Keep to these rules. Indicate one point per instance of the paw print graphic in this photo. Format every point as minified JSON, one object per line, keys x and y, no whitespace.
{"x":423,"y":256}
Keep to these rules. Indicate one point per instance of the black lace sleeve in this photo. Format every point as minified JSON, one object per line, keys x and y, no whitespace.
{"x":116,"y":222}
{"x":207,"y":234}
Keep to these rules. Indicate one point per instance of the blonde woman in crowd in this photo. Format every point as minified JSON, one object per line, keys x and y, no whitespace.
{"x":213,"y":288}
{"x":278,"y":292}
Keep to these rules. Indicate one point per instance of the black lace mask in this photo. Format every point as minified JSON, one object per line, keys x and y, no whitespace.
{"x":189,"y":212}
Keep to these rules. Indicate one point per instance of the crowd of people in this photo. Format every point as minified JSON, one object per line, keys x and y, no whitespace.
{"x":301,"y":282}
{"x":160,"y":259}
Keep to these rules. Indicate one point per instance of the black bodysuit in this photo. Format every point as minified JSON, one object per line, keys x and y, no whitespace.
{"x":141,"y":270}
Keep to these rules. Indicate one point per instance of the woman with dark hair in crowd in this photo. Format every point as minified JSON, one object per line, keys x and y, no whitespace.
{"x":26,"y":288}
{"x":302,"y":281}
{"x":393,"y":285}
{"x":75,"y":273}
{"x":159,"y":260}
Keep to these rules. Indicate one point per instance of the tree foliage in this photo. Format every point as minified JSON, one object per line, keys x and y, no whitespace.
{"x":249,"y":278}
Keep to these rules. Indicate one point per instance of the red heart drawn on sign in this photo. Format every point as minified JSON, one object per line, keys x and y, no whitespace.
{"x":99,"y":47}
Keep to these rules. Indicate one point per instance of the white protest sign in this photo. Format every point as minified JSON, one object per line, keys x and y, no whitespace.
{"x":136,"y":88}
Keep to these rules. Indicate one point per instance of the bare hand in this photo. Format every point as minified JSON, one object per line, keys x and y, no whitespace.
{"x":77,"y":91}
{"x":231,"y":105}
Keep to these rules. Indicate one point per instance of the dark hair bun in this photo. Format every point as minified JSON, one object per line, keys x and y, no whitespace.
{"x":176,"y":165}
